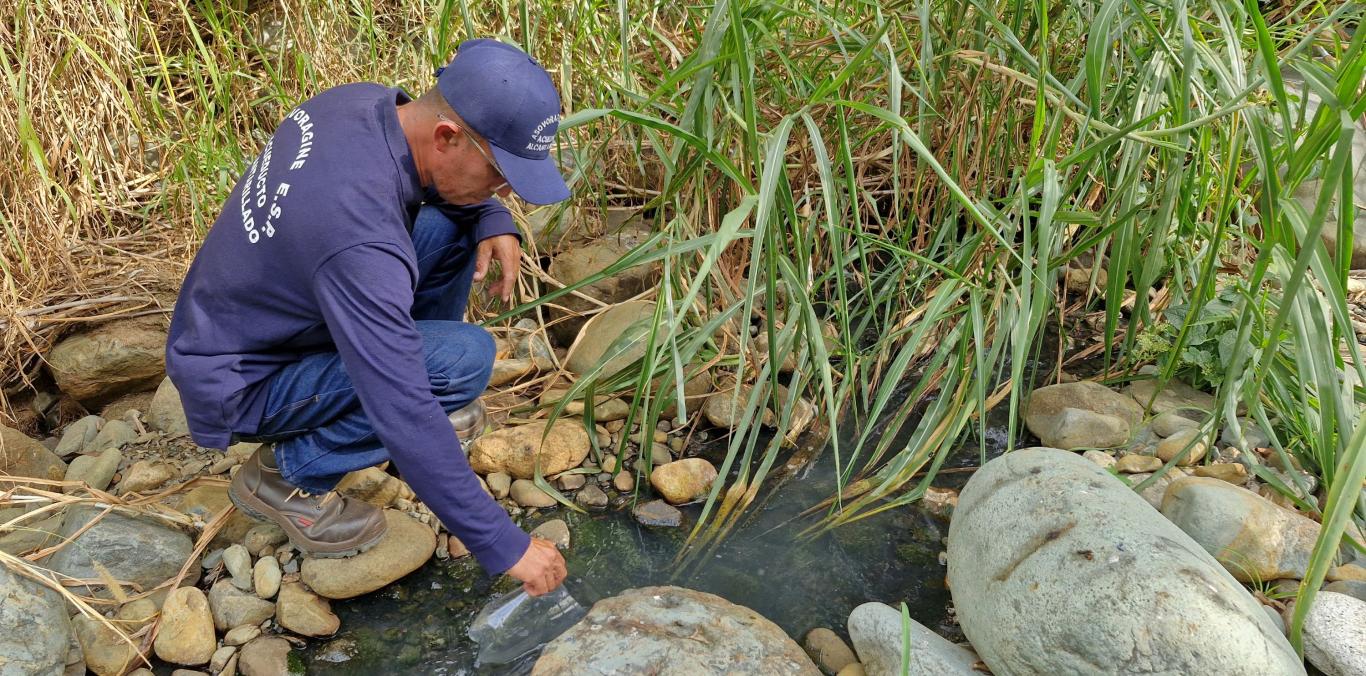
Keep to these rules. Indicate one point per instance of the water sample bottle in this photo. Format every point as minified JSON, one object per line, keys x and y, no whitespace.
{"x":516,"y":625}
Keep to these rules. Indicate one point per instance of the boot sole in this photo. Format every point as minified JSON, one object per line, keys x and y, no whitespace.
{"x":254,"y":508}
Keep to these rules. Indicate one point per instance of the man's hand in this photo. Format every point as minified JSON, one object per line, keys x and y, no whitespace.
{"x":507,"y":249}
{"x":541,"y":569}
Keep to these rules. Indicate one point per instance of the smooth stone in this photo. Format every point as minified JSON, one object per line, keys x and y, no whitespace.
{"x":1102,"y":459}
{"x":499,"y":484}
{"x":404,"y":548}
{"x":264,"y":656}
{"x":508,"y":370}
{"x":1154,"y":493}
{"x":658,"y":513}
{"x":29,"y":535}
{"x":130,"y":548}
{"x":1056,"y":566}
{"x":78,"y":435}
{"x":1137,"y":464}
{"x":526,"y":493}
{"x":138,"y":613}
{"x":238,"y":562}
{"x":1168,"y":423}
{"x":232,"y":607}
{"x":624,"y":482}
{"x":1352,"y":588}
{"x":186,"y":634}
{"x":516,"y":450}
{"x":725,"y":409}
{"x":1347,"y":571}
{"x":875,"y":629}
{"x":555,"y":530}
{"x":855,"y":669}
{"x":304,"y":612}
{"x":240,"y":635}
{"x":570,"y":482}
{"x":35,"y":631}
{"x":95,"y":470}
{"x":673,"y":630}
{"x":591,"y":496}
{"x":1231,"y":472}
{"x":26,"y":457}
{"x":166,"y":414}
{"x":1248,"y":436}
{"x":114,"y":434}
{"x":144,"y":476}
{"x":104,"y":650}
{"x":684,"y":480}
{"x":220,"y":658}
{"x":1080,"y":415}
{"x":121,"y":356}
{"x":580,"y":262}
{"x":1253,"y":538}
{"x":622,"y":329}
{"x":262,"y":536}
{"x":265,"y":577}
{"x":828,"y":650}
{"x":1184,"y":444}
{"x":1176,"y":397}
{"x":205,"y":502}
{"x":1335,"y":634}
{"x":372,"y":485}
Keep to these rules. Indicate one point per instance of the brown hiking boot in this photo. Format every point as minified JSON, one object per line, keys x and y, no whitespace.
{"x":469,"y":421}
{"x":326,"y":526}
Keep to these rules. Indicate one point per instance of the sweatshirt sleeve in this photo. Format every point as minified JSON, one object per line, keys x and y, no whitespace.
{"x":365,"y":293}
{"x":489,"y":218}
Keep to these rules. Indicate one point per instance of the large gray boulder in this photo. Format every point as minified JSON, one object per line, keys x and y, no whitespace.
{"x":1079,"y":415}
{"x":131,"y":548}
{"x":1335,"y":634}
{"x":35,"y":633}
{"x":1056,"y":567}
{"x":581,"y":262}
{"x":671,"y":630}
{"x":630,"y":322}
{"x":875,"y":629}
{"x":125,"y":355}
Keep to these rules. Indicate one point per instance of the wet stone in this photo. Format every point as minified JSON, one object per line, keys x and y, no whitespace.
{"x":658,"y":513}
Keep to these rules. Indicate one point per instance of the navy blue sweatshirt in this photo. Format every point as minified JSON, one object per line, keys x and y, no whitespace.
{"x":313,"y":252}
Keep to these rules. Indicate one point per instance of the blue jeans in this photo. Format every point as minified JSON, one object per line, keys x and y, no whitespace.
{"x":313,"y":415}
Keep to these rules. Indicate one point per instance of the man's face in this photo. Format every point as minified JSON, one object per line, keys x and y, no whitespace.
{"x":464,"y":172}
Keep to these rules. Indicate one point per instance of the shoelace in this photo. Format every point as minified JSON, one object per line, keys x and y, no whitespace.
{"x":327,"y":497}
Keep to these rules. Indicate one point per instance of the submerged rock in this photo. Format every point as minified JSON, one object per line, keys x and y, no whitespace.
{"x":1057,"y":567}
{"x":875,"y":629}
{"x":658,"y":513}
{"x":1253,"y":538}
{"x":673,"y":630}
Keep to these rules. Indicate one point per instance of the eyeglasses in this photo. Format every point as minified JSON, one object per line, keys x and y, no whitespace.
{"x":480,"y":147}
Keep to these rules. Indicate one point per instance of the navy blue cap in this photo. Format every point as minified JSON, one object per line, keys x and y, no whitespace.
{"x":509,"y":99}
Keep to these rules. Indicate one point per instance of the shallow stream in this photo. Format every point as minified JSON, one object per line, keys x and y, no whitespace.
{"x":418,"y":625}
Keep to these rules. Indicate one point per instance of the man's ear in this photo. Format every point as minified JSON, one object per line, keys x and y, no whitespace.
{"x":445,"y":135}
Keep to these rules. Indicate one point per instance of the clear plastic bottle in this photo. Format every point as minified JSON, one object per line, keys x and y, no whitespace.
{"x":516,"y":625}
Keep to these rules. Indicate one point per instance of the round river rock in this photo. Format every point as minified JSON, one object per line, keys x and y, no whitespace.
{"x":403,"y":549}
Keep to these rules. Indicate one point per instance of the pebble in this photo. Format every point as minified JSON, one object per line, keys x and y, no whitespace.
{"x":212,"y":559}
{"x":145,"y":475}
{"x":220,"y":658}
{"x":624,"y":482}
{"x":499,"y":484}
{"x":1101,"y":458}
{"x":1136,"y":464}
{"x":262,"y":536}
{"x":1233,"y":473}
{"x":555,"y":530}
{"x":224,"y":464}
{"x":526,"y":493}
{"x":1169,"y":423}
{"x":828,"y":650}
{"x":95,"y":470}
{"x":264,"y":656}
{"x":676,"y":445}
{"x":304,"y":612}
{"x":1350,"y":572}
{"x":939,"y":501}
{"x":186,"y":635}
{"x":78,"y":435}
{"x":570,"y":482}
{"x":1184,"y":441}
{"x":240,"y":635}
{"x":238,"y":562}
{"x":658,"y":513}
{"x":591,"y":496}
{"x":232,"y":607}
{"x":266,"y":576}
